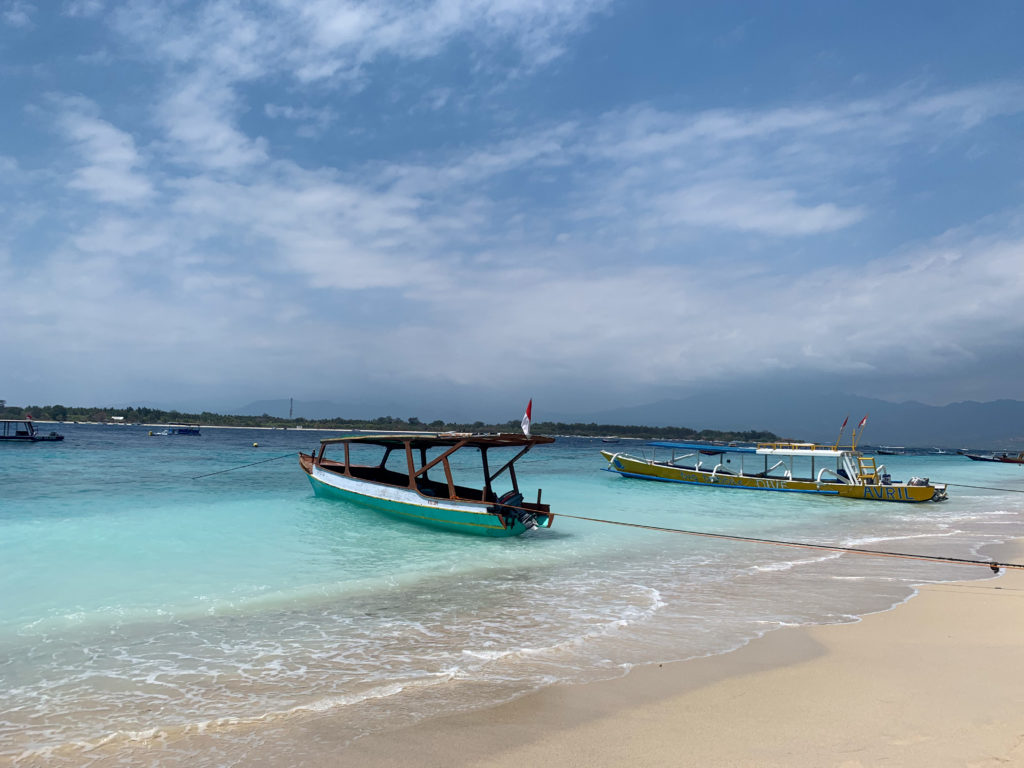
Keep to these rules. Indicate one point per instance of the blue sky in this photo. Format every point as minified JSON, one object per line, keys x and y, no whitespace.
{"x":449,"y":206}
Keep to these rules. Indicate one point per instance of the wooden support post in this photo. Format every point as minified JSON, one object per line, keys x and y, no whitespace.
{"x":410,"y":463}
{"x":487,"y":478}
{"x":448,"y":476}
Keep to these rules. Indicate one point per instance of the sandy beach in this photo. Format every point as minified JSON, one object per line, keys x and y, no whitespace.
{"x":938,"y":681}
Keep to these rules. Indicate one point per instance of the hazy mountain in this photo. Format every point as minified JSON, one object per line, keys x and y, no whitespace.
{"x":996,"y":424}
{"x":459,"y":409}
{"x":791,"y":413}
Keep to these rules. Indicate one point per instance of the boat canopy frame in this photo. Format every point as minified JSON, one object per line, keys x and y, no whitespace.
{"x":847,"y":468}
{"x":10,"y":428}
{"x":453,"y":442}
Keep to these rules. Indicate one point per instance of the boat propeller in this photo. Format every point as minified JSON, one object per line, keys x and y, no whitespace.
{"x":512,"y":502}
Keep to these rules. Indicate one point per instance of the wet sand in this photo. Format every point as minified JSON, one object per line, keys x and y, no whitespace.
{"x":938,"y":681}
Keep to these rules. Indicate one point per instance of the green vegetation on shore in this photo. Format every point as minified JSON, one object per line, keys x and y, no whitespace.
{"x":155,"y":416}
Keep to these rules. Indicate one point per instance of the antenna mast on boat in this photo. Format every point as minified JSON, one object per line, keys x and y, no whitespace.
{"x":841,"y":430}
{"x":861,"y":428}
{"x":291,"y":402}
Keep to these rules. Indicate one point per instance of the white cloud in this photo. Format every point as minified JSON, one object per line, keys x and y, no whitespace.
{"x":877,"y":123}
{"x":782,"y":171}
{"x":922,"y":312}
{"x":17,"y":13}
{"x":343,"y":37}
{"x":969,"y":107}
{"x":83,"y":8}
{"x":111,"y":173}
{"x":599,"y":239}
{"x":317,"y":40}
{"x":199,"y":118}
{"x":332,"y":234}
{"x":116,"y":235}
{"x":751,"y":207}
{"x":8,"y":167}
{"x":312,"y":121}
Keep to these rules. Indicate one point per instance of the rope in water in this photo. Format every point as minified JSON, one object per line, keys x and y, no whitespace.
{"x":986,"y":488}
{"x":243,"y":466}
{"x":995,"y":566}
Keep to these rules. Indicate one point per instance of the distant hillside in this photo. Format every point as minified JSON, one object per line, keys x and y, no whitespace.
{"x":793,"y":414}
{"x":317,"y":410}
{"x":132,"y":415}
{"x":996,"y":424}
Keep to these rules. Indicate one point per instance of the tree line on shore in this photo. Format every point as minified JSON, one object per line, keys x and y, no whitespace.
{"x":140,"y":415}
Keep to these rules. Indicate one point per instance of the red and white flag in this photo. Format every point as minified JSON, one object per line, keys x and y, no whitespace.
{"x":862,"y":422}
{"x":527,"y":417}
{"x":844,"y":423}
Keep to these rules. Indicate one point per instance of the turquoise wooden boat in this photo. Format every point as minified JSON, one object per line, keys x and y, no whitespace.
{"x":415,"y":477}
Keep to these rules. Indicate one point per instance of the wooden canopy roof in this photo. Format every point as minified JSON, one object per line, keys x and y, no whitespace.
{"x":442,"y":439}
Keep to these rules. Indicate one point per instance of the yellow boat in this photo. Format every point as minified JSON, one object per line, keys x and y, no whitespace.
{"x":785,"y":467}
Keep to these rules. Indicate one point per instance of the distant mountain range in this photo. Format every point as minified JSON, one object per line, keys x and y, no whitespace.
{"x":996,"y":424}
{"x":794,"y":414}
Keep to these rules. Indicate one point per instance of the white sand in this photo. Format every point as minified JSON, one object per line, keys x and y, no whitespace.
{"x":938,"y":681}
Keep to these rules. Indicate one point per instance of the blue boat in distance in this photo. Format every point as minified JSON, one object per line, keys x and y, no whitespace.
{"x":179,"y":429}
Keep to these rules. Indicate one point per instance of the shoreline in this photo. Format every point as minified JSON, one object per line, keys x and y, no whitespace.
{"x":935,"y":680}
{"x":142,"y":425}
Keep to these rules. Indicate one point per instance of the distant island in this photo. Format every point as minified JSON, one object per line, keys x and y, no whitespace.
{"x":131,"y":415}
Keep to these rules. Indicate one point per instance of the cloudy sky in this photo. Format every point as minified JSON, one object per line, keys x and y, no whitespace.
{"x":451,"y":206}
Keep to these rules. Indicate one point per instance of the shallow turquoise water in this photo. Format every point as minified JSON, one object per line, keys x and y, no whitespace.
{"x":146,"y":615}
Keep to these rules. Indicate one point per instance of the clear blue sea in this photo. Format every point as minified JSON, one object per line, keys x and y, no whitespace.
{"x":149,"y":618}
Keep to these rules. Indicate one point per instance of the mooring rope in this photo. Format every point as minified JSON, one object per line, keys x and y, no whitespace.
{"x":986,"y":488}
{"x":243,"y":466}
{"x":995,"y":566}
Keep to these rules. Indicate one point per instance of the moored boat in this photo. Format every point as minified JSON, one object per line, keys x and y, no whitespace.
{"x":392,"y":474}
{"x":787,"y":467}
{"x":178,"y":429}
{"x":24,"y":431}
{"x":1003,"y":458}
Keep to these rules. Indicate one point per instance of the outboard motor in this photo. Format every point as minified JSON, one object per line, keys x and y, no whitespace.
{"x":515,"y":501}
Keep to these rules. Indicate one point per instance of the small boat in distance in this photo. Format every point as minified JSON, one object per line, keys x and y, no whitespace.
{"x":1002,"y":458}
{"x":178,"y":429}
{"x":795,"y":468}
{"x":890,"y":450}
{"x":24,"y":431}
{"x":390,"y":473}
